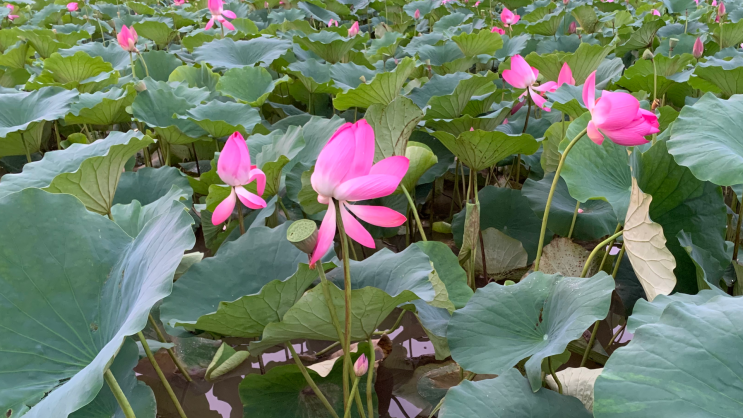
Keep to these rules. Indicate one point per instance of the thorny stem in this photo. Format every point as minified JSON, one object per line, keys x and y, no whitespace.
{"x":415,"y":212}
{"x":309,"y":380}
{"x":119,"y":394}
{"x":552,"y":194}
{"x":162,"y":339}
{"x":160,"y":374}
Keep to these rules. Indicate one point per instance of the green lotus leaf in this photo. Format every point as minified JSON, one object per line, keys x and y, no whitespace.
{"x":554,"y":311}
{"x":680,"y":6}
{"x":277,"y":157}
{"x":251,"y":85}
{"x":452,"y":105}
{"x":434,"y":322}
{"x":43,"y":41}
{"x":314,"y":75}
{"x":226,"y":53}
{"x":449,"y":271}
{"x":148,"y":184}
{"x":442,"y":55}
{"x":596,"y":219}
{"x":586,"y":16}
{"x":641,"y":38}
{"x":729,"y":35}
{"x":393,"y":124}
{"x":709,"y":271}
{"x":159,"y":32}
{"x":594,"y":171}
{"x":547,"y":26}
{"x":90,"y":172}
{"x":539,"y":13}
{"x":71,"y":283}
{"x":683,"y":203}
{"x":112,"y":54}
{"x":47,"y":14}
{"x":649,"y":312}
{"x":463,"y":124}
{"x":222,"y":277}
{"x":140,"y":8}
{"x":159,"y":64}
{"x":439,"y":85}
{"x":157,"y":108}
{"x":386,"y":46}
{"x":226,"y":360}
{"x":646,"y":378}
{"x":16,"y":56}
{"x":380,"y":283}
{"x":140,"y":395}
{"x":421,"y":159}
{"x":482,"y":42}
{"x":220,"y":119}
{"x":349,"y":75}
{"x":718,"y":76}
{"x":284,"y":392}
{"x":79,"y":71}
{"x":192,"y":95}
{"x":479,"y":150}
{"x":585,"y":60}
{"x":197,"y":38}
{"x":328,"y":45}
{"x":569,"y":100}
{"x":102,"y":108}
{"x":640,"y":75}
{"x":21,"y":109}
{"x":508,"y":396}
{"x":199,"y":77}
{"x":26,"y":143}
{"x":508,"y":211}
{"x":133,"y":217}
{"x":382,"y":89}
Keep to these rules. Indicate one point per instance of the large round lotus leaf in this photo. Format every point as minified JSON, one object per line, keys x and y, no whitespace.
{"x":90,"y":172}
{"x":75,"y":285}
{"x":595,"y":219}
{"x":450,"y":106}
{"x":697,"y":377}
{"x":79,"y":71}
{"x":712,"y":125}
{"x":382,"y":89}
{"x":226,"y":53}
{"x":348,"y":75}
{"x":112,"y":54}
{"x":597,"y":171}
{"x":220,"y":119}
{"x":140,"y":395}
{"x":133,"y":217}
{"x":159,"y":32}
{"x":439,"y":85}
{"x":148,"y":184}
{"x":328,"y":45}
{"x":223,"y":277}
{"x":283,"y":392}
{"x":485,"y":338}
{"x":249,"y":84}
{"x":160,"y":108}
{"x":719,"y":76}
{"x":508,"y":211}
{"x":476,"y":43}
{"x":199,"y":77}
{"x":508,"y":396}
{"x":19,"y":110}
{"x":449,"y":271}
{"x":649,"y":312}
{"x":159,"y":64}
{"x":479,"y":150}
{"x":102,"y":108}
{"x":393,"y":124}
{"x":314,"y":75}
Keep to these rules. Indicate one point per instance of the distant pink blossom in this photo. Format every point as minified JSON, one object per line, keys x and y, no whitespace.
{"x":179,"y":2}
{"x":498,"y":30}
{"x":72,"y":7}
{"x":127,"y":38}
{"x":565,"y":77}
{"x":354,"y":30}
{"x":332,"y":22}
{"x":417,"y":14}
{"x":11,"y":7}
{"x":508,"y":17}
{"x":572,"y":28}
{"x":656,"y":12}
{"x":698,"y":48}
{"x":219,"y":15}
{"x":523,"y":76}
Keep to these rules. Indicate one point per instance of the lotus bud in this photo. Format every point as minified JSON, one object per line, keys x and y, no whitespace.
{"x":303,"y":235}
{"x":565,"y":2}
{"x":721,"y":9}
{"x":361,"y":366}
{"x":572,"y":28}
{"x":363,"y":79}
{"x":672,"y":42}
{"x":647,"y":55}
{"x":140,"y":87}
{"x":417,"y":14}
{"x":698,"y":48}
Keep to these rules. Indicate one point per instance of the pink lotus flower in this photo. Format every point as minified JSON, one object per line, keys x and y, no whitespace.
{"x":354,"y":30}
{"x":179,"y":2}
{"x":697,"y":2}
{"x":11,"y":7}
{"x":572,"y":28}
{"x":698,"y":48}
{"x":127,"y":38}
{"x":333,"y":22}
{"x":234,"y":168}
{"x":565,"y":2}
{"x":618,"y":116}
{"x":477,"y":3}
{"x":345,"y":172}
{"x":417,"y":14}
{"x":72,"y":7}
{"x":523,"y":76}
{"x":721,"y":9}
{"x":656,"y":12}
{"x":497,"y":30}
{"x":219,"y":15}
{"x":361,"y":366}
{"x":565,"y":77}
{"x":508,"y":17}
{"x":714,"y":3}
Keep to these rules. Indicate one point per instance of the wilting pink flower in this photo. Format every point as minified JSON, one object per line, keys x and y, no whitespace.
{"x":235,"y":170}
{"x":361,"y":366}
{"x":72,"y":7}
{"x":497,"y":30}
{"x":618,"y":116}
{"x":698,"y":48}
{"x":417,"y":14}
{"x":508,"y":17}
{"x":565,"y":77}
{"x":523,"y":76}
{"x":656,"y":12}
{"x":354,"y":30}
{"x":219,"y":15}
{"x":572,"y":28}
{"x":179,"y":2}
{"x":345,"y":172}
{"x":127,"y":38}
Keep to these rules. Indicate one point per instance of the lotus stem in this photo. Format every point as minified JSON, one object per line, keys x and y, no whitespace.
{"x":616,"y":334}
{"x":606,"y":254}
{"x":144,"y":64}
{"x":25,"y":148}
{"x":175,"y":359}
{"x":326,"y":349}
{"x":737,"y":231}
{"x":119,"y":394}
{"x":595,"y":251}
{"x":196,"y":158}
{"x":575,"y":217}
{"x":160,"y":374}
{"x":590,"y":343}
{"x":309,"y":380}
{"x":415,"y":212}
{"x":347,"y":297}
{"x":554,"y":375}
{"x":240,"y":217}
{"x":619,"y":261}
{"x":552,"y":194}
{"x":370,"y":380}
{"x":353,"y":393}
{"x":394,"y":327}
{"x":56,"y":133}
{"x":131,"y":61}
